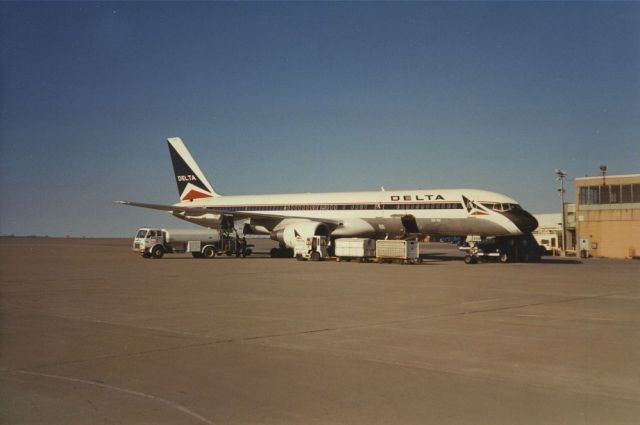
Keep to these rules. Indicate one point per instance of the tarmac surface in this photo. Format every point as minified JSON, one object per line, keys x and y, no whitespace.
{"x":94,"y":334}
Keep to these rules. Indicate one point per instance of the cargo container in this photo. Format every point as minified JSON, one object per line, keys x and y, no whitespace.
{"x":361,"y":249}
{"x":404,"y":251}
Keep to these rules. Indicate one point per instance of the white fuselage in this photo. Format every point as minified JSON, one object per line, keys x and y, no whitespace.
{"x":380,"y":213}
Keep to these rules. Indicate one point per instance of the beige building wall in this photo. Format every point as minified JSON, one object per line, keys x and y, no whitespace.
{"x":611,"y":227}
{"x":616,"y":234}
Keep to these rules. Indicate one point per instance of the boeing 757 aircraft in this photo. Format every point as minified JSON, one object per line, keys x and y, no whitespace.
{"x":379,"y":214}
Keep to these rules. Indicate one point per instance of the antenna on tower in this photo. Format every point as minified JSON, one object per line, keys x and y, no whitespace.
{"x":603,"y":173}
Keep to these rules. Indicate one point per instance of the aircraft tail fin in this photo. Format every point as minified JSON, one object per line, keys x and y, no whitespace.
{"x":192,"y":184}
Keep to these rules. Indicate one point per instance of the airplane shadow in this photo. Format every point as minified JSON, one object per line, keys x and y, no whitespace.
{"x":431,"y":258}
{"x":559,"y":261}
{"x":444,"y":256}
{"x":224,"y":257}
{"x":441,"y":256}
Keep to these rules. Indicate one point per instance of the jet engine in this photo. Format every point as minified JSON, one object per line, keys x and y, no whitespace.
{"x":252,"y":229}
{"x":289,"y":233}
{"x":206,"y":220}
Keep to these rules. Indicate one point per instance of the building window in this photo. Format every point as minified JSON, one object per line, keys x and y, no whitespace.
{"x":615,"y":194}
{"x":626,"y":194}
{"x":604,"y":194}
{"x":593,"y":196}
{"x":584,"y":193}
{"x":635,"y":193}
{"x":609,"y":194}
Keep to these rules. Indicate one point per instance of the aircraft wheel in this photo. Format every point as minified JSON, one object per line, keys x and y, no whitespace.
{"x":208,"y":252}
{"x":470,"y":259}
{"x":157,"y":252}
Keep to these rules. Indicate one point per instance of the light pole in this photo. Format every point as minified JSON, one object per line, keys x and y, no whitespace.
{"x":561,"y":176}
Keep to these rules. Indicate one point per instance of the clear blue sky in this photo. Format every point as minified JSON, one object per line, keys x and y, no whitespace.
{"x":311,"y":97}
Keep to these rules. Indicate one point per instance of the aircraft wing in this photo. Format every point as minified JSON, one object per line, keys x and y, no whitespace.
{"x":240,"y":215}
{"x":168,"y":208}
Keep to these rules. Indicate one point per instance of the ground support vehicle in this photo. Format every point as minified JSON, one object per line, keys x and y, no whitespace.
{"x":504,"y":249}
{"x":549,"y":241}
{"x":313,"y":248}
{"x":403,"y":251}
{"x":207,"y":243}
{"x":359,"y":249}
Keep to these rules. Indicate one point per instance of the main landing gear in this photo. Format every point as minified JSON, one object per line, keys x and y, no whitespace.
{"x":281,"y":252}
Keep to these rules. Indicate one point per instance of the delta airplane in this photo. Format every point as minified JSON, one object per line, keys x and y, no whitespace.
{"x":378,"y":214}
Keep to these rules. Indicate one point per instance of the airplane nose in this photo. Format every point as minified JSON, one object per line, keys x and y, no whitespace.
{"x":524,"y":221}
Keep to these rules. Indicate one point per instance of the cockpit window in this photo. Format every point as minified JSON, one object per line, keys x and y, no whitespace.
{"x":502,"y":207}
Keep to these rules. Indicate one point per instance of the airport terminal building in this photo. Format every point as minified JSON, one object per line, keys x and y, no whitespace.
{"x":608,"y":215}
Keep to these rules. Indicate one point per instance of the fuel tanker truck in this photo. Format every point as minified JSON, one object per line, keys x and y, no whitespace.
{"x":154,"y":242}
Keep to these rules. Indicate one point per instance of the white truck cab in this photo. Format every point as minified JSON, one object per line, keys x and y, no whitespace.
{"x":313,"y":248}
